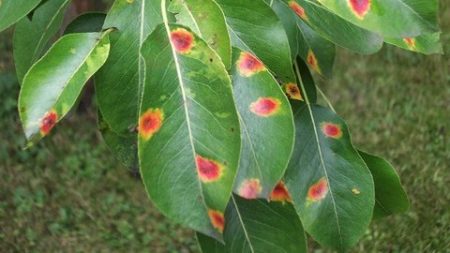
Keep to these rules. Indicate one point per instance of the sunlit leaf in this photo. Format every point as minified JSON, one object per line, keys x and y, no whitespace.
{"x":11,"y":11}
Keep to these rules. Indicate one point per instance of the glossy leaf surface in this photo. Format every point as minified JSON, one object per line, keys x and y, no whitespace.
{"x":31,"y":36}
{"x":258,"y":226}
{"x":189,"y":138}
{"x":88,"y":22}
{"x":207,"y":20}
{"x":330,"y":185}
{"x":267,"y":127}
{"x":390,"y":197}
{"x":53,"y":84}
{"x":426,"y":44}
{"x":11,"y":11}
{"x":289,"y":20}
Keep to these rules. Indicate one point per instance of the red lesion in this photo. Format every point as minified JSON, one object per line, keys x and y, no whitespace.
{"x":298,"y":9}
{"x":331,"y":130}
{"x":150,"y":122}
{"x":312,"y":61}
{"x":249,"y":65}
{"x":293,"y":91}
{"x":208,"y":170}
{"x":182,"y":40}
{"x":217,"y":219}
{"x":265,"y":106}
{"x":48,"y":122}
{"x":359,"y":7}
{"x":280,"y":193}
{"x":410,"y":43}
{"x":318,"y":191}
{"x":250,"y":188}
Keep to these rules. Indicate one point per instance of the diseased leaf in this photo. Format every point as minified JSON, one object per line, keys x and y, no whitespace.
{"x":207,"y":20}
{"x":88,"y":22}
{"x":336,"y":29}
{"x":119,"y":81}
{"x":54,"y":83}
{"x":257,"y":226}
{"x":267,"y":126}
{"x":32,"y":36}
{"x":189,"y":138}
{"x":390,"y":197}
{"x":426,"y":43}
{"x":254,"y":27}
{"x":11,"y":11}
{"x":390,"y":18}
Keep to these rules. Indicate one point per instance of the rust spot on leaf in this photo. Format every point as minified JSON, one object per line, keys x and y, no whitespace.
{"x":250,"y":188}
{"x":48,"y":122}
{"x":331,"y":130}
{"x":217,"y":219}
{"x":311,"y":59}
{"x":410,"y":43}
{"x":150,"y":122}
{"x":208,"y":170}
{"x":359,"y":7}
{"x":182,"y":40}
{"x":265,"y":106}
{"x":293,"y":91}
{"x":249,"y":65}
{"x":280,"y":193}
{"x":298,"y":10}
{"x":318,"y":191}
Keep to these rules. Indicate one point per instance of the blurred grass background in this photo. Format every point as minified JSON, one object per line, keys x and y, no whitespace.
{"x":68,"y":194}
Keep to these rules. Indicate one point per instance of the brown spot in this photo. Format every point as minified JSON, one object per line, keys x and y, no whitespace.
{"x":217,"y":219}
{"x":299,"y":10}
{"x":250,"y":188}
{"x":182,"y":40}
{"x":311,"y":59}
{"x":318,"y":191}
{"x":293,"y":91}
{"x":208,"y":170}
{"x":150,"y":122}
{"x":249,"y":65}
{"x":280,"y":193}
{"x":331,"y":130}
{"x":265,"y":106}
{"x":48,"y":122}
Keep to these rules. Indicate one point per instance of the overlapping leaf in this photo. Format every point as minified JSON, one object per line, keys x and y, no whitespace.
{"x":11,"y":11}
{"x":118,"y":82}
{"x":391,"y":18}
{"x":307,"y":81}
{"x":267,"y":127}
{"x":207,"y":20}
{"x":53,"y":83}
{"x":330,"y":185}
{"x":254,"y":27}
{"x":32,"y":35}
{"x":426,"y":43}
{"x":390,"y":197}
{"x":258,"y":226}
{"x":88,"y":22}
{"x":189,"y":138}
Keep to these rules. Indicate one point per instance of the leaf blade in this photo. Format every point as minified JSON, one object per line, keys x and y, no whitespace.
{"x":13,"y":11}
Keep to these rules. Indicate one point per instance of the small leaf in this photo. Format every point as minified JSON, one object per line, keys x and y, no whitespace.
{"x":12,"y":11}
{"x":267,"y":126}
{"x":54,"y":83}
{"x":307,"y":81}
{"x":207,"y":20}
{"x":390,"y":197}
{"x":88,"y":22}
{"x":426,"y":43}
{"x":31,"y":36}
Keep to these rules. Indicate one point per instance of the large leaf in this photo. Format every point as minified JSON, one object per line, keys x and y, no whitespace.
{"x":189,"y":139}
{"x":120,"y":79}
{"x":391,"y":18}
{"x":267,"y":126}
{"x":54,"y":83}
{"x":258,"y":226}
{"x":330,"y":185}
{"x":207,"y":20}
{"x":12,"y":11}
{"x":31,"y":36}
{"x":390,"y":197}
{"x":426,"y":43}
{"x":336,"y":29}
{"x":254,"y":27}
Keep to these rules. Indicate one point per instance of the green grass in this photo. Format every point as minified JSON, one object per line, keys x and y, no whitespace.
{"x":68,"y":194}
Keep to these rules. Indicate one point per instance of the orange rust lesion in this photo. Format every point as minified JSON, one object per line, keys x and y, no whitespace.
{"x":312,"y":61}
{"x":150,"y":123}
{"x":208,"y":170}
{"x":250,"y":188}
{"x":182,"y":40}
{"x":298,"y":9}
{"x":280,"y":193}
{"x":359,"y":8}
{"x":217,"y":219}
{"x":265,"y":106}
{"x":318,"y":191}
{"x":48,"y":122}
{"x":292,"y":91}
{"x":331,"y":130}
{"x":248,"y":64}
{"x":410,"y":43}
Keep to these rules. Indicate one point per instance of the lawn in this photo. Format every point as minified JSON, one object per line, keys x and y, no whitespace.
{"x":68,"y":194}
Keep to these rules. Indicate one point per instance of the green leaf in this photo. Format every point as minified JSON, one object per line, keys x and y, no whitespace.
{"x":390,"y":197}
{"x":120,"y":79}
{"x":267,"y":126}
{"x":336,"y":29}
{"x":12,"y":11}
{"x":31,"y":36}
{"x":331,"y":186}
{"x":308,"y":81}
{"x":87,"y":22}
{"x":426,"y":43}
{"x":390,"y":18}
{"x":207,"y":20}
{"x":189,"y":138}
{"x":254,"y":27}
{"x":258,"y":226}
{"x":53,"y":84}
